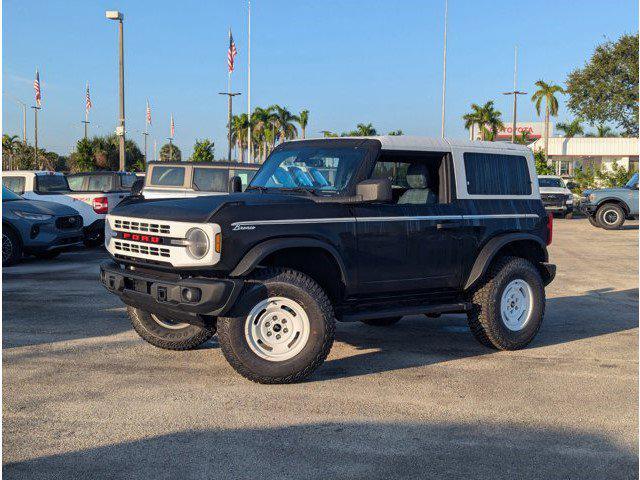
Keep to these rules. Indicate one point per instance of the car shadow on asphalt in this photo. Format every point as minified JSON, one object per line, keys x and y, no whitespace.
{"x":343,"y":450}
{"x":420,"y":341}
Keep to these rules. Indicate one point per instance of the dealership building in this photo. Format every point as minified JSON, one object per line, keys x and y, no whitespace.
{"x":577,"y":152}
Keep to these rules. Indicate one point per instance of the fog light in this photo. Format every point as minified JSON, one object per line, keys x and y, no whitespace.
{"x":191,"y":295}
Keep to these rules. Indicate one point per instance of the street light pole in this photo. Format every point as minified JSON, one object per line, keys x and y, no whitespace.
{"x":120,"y":131}
{"x":230,"y":95}
{"x":515,"y":94}
{"x":444,"y":63}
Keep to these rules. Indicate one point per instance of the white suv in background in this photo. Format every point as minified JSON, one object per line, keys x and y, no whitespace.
{"x":555,"y":195}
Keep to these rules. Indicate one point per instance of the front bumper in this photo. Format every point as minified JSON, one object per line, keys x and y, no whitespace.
{"x":588,"y":208}
{"x":165,"y":294}
{"x":46,"y":237}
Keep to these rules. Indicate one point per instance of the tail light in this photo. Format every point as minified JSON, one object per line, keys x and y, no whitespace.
{"x":101,"y":205}
{"x":549,"y":228}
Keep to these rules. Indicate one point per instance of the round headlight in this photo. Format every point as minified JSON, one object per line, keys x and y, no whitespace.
{"x":197,"y":243}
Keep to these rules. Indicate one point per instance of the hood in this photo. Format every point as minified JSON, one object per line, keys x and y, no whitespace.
{"x":554,"y":190}
{"x":40,"y":206}
{"x":605,"y":191}
{"x":200,"y":209}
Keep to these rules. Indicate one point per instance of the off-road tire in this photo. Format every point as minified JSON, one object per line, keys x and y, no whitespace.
{"x":50,"y":255}
{"x":485,"y":319}
{"x":14,"y":245}
{"x":608,"y":209}
{"x":291,"y":284}
{"x":185,"y":338}
{"x":593,"y":221}
{"x":382,"y":322}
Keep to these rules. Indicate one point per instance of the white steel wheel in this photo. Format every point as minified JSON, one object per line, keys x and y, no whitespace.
{"x":277,"y":329}
{"x":516,"y":305}
{"x":167,"y":323}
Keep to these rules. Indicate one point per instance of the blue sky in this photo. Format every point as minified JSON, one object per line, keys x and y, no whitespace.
{"x":347,"y":61}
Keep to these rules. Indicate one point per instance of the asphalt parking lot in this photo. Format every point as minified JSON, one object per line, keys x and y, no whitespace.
{"x":84,"y":397}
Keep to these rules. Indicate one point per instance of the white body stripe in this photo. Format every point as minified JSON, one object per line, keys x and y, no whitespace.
{"x":296,"y":221}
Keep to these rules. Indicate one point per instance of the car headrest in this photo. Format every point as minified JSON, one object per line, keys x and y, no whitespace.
{"x":418,"y":175}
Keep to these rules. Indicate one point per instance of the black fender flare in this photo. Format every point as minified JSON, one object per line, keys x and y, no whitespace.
{"x":257,"y":253}
{"x":615,"y":200}
{"x":488,"y":252}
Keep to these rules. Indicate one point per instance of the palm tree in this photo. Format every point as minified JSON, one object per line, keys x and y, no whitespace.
{"x":283,"y":121}
{"x":362,"y":130}
{"x":472,"y":119}
{"x":572,"y":129}
{"x":328,"y":134}
{"x":261,"y":122}
{"x":10,"y":145}
{"x":239,"y":133}
{"x":547,"y":92}
{"x":489,"y":121}
{"x":602,"y":131}
{"x":396,"y":133}
{"x":303,"y":120}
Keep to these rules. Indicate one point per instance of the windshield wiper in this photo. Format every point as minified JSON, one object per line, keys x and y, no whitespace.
{"x":307,"y":190}
{"x":260,"y":188}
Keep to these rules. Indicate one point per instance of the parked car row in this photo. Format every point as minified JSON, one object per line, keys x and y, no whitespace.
{"x":608,"y":208}
{"x":90,"y":196}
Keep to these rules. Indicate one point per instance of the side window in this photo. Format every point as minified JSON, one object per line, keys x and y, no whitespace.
{"x":75,"y":183}
{"x":496,"y":174}
{"x":99,"y":183}
{"x":15,"y":184}
{"x":210,"y":179}
{"x":415,"y":180}
{"x":245,"y":176}
{"x":128,"y":180}
{"x":167,"y":176}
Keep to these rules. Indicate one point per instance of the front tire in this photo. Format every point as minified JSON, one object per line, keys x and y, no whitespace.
{"x":11,"y":247}
{"x":610,"y":216}
{"x":281,"y":328}
{"x":165,"y":333}
{"x":508,"y":307}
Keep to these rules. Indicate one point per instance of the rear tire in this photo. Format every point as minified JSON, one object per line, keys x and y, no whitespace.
{"x":508,"y":307}
{"x":610,"y":216}
{"x":382,"y":322}
{"x":593,"y":221}
{"x":11,"y":247}
{"x":281,"y":328}
{"x":167,"y":334}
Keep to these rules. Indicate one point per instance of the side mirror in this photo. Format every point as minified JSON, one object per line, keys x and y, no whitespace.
{"x":374,"y":190}
{"x":572,"y":185}
{"x":235,"y":184}
{"x":136,"y":188}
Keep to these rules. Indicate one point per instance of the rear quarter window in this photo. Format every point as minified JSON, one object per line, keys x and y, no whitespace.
{"x":167,"y":176}
{"x":496,"y":174}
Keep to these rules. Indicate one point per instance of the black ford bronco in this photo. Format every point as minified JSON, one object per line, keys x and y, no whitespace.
{"x":350,"y":229}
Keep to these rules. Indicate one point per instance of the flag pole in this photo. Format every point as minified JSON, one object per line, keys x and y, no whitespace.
{"x":249,"y":159}
{"x":444,"y":63}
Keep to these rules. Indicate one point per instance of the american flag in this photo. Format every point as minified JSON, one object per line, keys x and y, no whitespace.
{"x":231,"y":54}
{"x":36,"y":87}
{"x":148,"y":113}
{"x":88,"y":103}
{"x":173,"y":127}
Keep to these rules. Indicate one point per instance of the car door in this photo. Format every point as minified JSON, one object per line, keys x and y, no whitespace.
{"x":412,"y":242}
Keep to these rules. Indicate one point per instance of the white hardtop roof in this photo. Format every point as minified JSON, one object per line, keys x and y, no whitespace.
{"x":549,"y":176}
{"x":430,"y":144}
{"x":31,"y":172}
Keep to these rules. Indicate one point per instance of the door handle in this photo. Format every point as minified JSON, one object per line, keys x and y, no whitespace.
{"x":445,"y":225}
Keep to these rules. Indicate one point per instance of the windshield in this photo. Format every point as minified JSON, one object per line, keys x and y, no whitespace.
{"x":8,"y":195}
{"x":551,"y":182}
{"x":51,"y":183}
{"x":633,"y":181}
{"x":311,"y":168}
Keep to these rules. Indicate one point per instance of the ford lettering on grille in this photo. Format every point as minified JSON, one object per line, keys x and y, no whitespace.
{"x":138,"y":237}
